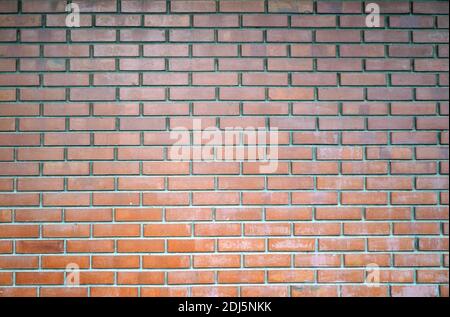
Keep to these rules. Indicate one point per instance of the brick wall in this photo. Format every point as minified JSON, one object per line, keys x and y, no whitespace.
{"x":87,"y":176}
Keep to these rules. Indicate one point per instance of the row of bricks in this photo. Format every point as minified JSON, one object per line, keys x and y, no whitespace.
{"x":232,"y":291}
{"x":284,"y":153}
{"x":226,"y":277}
{"x":223,"y":168}
{"x":300,"y":54}
{"x":225,"y":109}
{"x":227,"y":93}
{"x":222,"y":214}
{"x":343,"y":244}
{"x":205,"y":76}
{"x":224,"y":183}
{"x":229,"y":132}
{"x":226,"y":35}
{"x":215,"y":21}
{"x":223,"y":79}
{"x":237,"y":229}
{"x":227,"y":168}
{"x":229,"y":261}
{"x":245,"y":50}
{"x":436,"y":7}
{"x":222,"y":198}
{"x":228,"y":123}
{"x":374,"y":244}
{"x":323,"y":137}
{"x":257,"y":6}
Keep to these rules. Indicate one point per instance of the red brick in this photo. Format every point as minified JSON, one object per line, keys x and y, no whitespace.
{"x":339,"y":7}
{"x":66,"y":199}
{"x":19,"y":199}
{"x":106,"y":246}
{"x":117,"y":262}
{"x":40,"y":278}
{"x":242,"y":6}
{"x":10,"y":6}
{"x":190,"y":277}
{"x":217,"y":261}
{"x":18,"y":80}
{"x":38,"y":247}
{"x":223,"y":20}
{"x":116,"y":50}
{"x":263,"y":260}
{"x":317,"y":260}
{"x":93,"y":35}
{"x":342,"y":244}
{"x":92,"y":64}
{"x":386,"y":36}
{"x":338,"y":36}
{"x":264,"y":50}
{"x":240,"y":36}
{"x":341,"y":94}
{"x":234,"y":276}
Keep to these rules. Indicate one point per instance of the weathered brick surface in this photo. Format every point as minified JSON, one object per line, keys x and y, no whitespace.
{"x":87,"y":177}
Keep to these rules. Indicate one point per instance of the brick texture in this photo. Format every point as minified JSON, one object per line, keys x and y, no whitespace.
{"x":86,"y":174}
